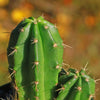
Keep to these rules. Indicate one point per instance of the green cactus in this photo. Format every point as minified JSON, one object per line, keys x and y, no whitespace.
{"x":74,"y":85}
{"x":35,"y":53}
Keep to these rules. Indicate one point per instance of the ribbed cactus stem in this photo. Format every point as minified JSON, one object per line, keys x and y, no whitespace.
{"x":35,"y":58}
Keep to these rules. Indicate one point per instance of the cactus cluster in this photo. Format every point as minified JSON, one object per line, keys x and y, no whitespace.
{"x":35,"y":57}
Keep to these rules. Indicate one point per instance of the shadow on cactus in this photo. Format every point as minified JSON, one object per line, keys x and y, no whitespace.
{"x":35,"y":57}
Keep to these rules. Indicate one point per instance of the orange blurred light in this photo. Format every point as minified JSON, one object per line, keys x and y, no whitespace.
{"x":90,"y":21}
{"x":67,"y":2}
{"x":63,"y":23}
{"x":3,"y":14}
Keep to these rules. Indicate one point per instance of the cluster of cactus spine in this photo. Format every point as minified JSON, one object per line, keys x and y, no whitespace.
{"x":35,"y":54}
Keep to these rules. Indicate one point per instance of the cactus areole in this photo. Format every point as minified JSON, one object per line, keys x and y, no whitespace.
{"x":35,"y":53}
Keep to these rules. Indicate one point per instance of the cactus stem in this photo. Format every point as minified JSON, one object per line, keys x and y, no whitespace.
{"x":65,"y":45}
{"x":46,"y":27}
{"x":15,"y":50}
{"x":46,"y":64}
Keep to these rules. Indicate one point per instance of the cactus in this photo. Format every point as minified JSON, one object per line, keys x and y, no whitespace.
{"x":35,"y":53}
{"x":74,"y":85}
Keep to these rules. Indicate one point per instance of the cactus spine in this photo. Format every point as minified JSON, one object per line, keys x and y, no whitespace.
{"x":35,"y":58}
{"x":75,"y":85}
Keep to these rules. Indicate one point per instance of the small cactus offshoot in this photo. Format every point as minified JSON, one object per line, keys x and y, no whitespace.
{"x":75,"y":85}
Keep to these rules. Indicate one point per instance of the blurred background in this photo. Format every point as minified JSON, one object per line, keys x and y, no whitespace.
{"x":78,"y":22}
